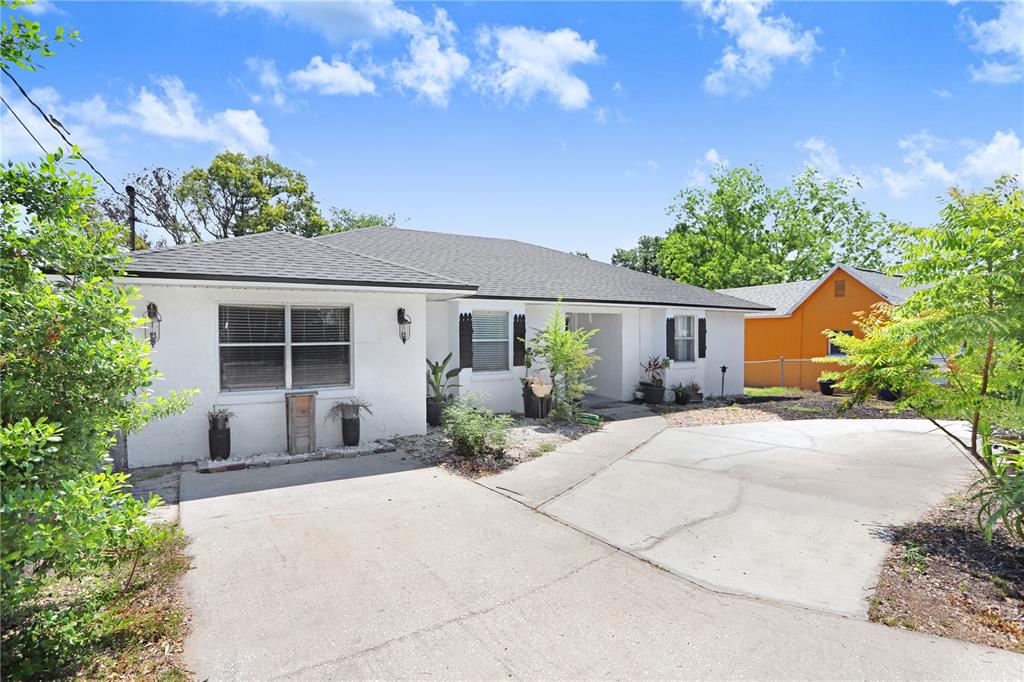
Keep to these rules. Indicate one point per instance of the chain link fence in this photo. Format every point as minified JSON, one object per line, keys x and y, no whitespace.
{"x":794,"y":372}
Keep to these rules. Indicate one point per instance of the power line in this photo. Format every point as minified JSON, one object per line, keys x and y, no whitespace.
{"x":59,"y":132}
{"x":15,"y":114}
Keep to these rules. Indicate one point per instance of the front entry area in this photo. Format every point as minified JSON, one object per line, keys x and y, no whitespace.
{"x":607,"y":343}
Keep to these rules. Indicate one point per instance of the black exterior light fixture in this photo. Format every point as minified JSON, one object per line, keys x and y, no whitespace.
{"x":153,"y":323}
{"x":404,"y":325}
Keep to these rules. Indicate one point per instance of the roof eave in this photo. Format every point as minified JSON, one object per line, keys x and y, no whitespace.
{"x":250,"y":279}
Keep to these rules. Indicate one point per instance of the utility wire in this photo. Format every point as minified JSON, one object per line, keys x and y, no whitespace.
{"x":15,"y":114}
{"x":59,"y":132}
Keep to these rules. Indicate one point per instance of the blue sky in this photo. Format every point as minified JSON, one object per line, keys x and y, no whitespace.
{"x":571,"y":125}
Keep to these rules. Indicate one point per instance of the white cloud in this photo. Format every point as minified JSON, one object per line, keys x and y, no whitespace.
{"x":942,"y":93}
{"x":178,"y":115}
{"x":1002,"y":155}
{"x":985,"y":162}
{"x":525,"y":62}
{"x":433,"y":64}
{"x":339,"y":21}
{"x":601,"y":115}
{"x":39,"y":7}
{"x":618,"y":90}
{"x":335,"y":78}
{"x":760,"y":43}
{"x":821,"y":156}
{"x":15,"y":142}
{"x":1001,"y":38}
{"x":173,"y":113}
{"x":704,"y":166}
{"x":270,"y":81}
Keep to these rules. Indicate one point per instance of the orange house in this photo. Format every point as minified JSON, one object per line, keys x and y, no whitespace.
{"x":779,"y":345}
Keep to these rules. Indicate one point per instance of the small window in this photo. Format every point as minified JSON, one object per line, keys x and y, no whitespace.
{"x":684,"y":338}
{"x":490,"y":341}
{"x":840,"y":288}
{"x":833,"y":350}
{"x":256,"y":353}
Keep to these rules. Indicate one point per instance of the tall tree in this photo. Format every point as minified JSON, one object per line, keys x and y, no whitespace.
{"x":344,"y":220}
{"x":738,"y":231}
{"x":643,"y":257}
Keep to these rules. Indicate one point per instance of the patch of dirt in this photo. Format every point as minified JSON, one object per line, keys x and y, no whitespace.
{"x":943,"y":578}
{"x":527,"y":438}
{"x":806,"y":405}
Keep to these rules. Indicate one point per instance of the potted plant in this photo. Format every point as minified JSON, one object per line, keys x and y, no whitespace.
{"x":888,"y":395}
{"x":693,"y":389}
{"x":220,"y":432}
{"x":654,"y":390}
{"x":348,"y":412}
{"x":681,"y":394}
{"x":826,"y":386}
{"x":439,"y":382}
{"x":536,"y":392}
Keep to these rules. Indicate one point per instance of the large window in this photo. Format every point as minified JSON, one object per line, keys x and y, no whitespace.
{"x":490,"y":341}
{"x":272,"y":347}
{"x":684,"y":338}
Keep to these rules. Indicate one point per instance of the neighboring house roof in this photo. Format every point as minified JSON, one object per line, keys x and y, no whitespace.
{"x":281,"y":257}
{"x":787,"y":297}
{"x":509,"y":269}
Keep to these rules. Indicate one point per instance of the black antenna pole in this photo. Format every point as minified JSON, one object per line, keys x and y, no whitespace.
{"x":131,"y":216}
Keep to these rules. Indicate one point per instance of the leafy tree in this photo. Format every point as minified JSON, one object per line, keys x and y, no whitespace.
{"x":22,"y":41}
{"x":741,"y":232}
{"x":643,"y":257}
{"x":568,"y":356}
{"x":344,"y":220}
{"x":234,"y":196}
{"x":237,"y":195}
{"x":73,"y":372}
{"x":955,"y":349}
{"x":581,"y":254}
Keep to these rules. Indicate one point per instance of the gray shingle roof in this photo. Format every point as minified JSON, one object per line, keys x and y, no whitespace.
{"x":281,"y":257}
{"x":504,"y":268}
{"x":785,"y":297}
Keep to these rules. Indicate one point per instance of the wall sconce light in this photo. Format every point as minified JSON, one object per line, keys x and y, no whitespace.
{"x":404,"y":325}
{"x":153,"y":325}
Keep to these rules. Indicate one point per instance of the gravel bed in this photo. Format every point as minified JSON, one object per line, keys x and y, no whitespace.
{"x":943,"y":578}
{"x":527,"y":438}
{"x":807,"y":406}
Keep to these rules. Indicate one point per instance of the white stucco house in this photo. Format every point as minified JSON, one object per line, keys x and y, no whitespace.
{"x":247,"y":321}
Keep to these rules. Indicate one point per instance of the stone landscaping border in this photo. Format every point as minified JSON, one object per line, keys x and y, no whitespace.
{"x":208,"y":466}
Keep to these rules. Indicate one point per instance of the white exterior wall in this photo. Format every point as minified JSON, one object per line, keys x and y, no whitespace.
{"x":501,"y":391}
{"x":385,"y":372}
{"x":725,"y":347}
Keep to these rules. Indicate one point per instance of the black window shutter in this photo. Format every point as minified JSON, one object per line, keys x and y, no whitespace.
{"x":519,"y":340}
{"x":670,"y":338}
{"x":466,"y":340}
{"x":702,"y":337}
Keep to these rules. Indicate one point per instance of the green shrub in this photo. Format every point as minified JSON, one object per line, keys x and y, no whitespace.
{"x":475,"y":431}
{"x":569,"y":357}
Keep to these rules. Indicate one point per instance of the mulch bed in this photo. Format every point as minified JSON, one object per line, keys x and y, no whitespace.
{"x":806,"y":405}
{"x":943,"y":578}
{"x":527,"y":438}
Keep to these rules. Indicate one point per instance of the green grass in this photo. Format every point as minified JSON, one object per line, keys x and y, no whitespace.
{"x":765,"y":391}
{"x":804,"y":409}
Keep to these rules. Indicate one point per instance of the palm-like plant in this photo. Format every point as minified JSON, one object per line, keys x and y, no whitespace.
{"x":439,"y":378}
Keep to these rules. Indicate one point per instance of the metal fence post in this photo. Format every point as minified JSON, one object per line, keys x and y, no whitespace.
{"x":782,"y":371}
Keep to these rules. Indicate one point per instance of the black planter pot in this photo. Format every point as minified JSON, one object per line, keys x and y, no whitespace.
{"x":534,"y":407}
{"x":434,"y":409}
{"x":350,"y":431}
{"x":653,"y":394}
{"x":888,"y":395}
{"x":220,"y":443}
{"x":826,"y":386}
{"x":682,"y":397}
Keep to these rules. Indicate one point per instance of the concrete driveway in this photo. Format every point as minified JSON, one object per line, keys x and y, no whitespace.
{"x":375,"y":568}
{"x":796,"y":512}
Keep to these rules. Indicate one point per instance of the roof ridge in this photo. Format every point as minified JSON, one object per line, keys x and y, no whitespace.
{"x":773,"y":284}
{"x":389,"y":262}
{"x":216,"y":240}
{"x":437,"y":232}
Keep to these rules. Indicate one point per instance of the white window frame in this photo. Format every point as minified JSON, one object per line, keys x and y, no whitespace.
{"x":834,"y":352}
{"x":692,"y":337}
{"x":507,"y":341}
{"x":287,"y":345}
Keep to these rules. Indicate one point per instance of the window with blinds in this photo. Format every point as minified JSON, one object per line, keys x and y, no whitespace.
{"x":490,"y":341}
{"x":273,"y":347}
{"x":684,"y":338}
